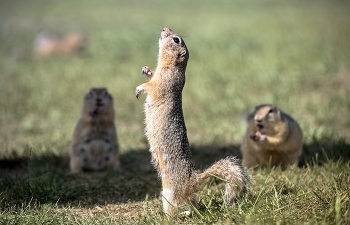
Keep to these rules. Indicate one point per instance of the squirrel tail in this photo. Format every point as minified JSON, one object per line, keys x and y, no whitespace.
{"x":233,"y":173}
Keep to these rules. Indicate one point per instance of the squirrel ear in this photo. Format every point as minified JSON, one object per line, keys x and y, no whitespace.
{"x":278,"y":112}
{"x":182,"y":53}
{"x":273,"y":109}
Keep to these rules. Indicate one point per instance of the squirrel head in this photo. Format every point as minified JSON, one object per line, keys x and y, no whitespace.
{"x":97,"y":101}
{"x":266,"y":116}
{"x":172,"y":49}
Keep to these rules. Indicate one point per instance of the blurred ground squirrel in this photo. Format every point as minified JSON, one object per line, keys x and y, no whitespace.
{"x":166,"y":132}
{"x":272,"y":138}
{"x":49,"y":44}
{"x":95,"y":144}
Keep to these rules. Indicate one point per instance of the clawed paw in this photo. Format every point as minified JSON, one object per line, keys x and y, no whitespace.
{"x":147,"y":71}
{"x":262,"y":138}
{"x":139,"y":91}
{"x":186,"y":213}
{"x":254,"y":137}
{"x":257,"y":136}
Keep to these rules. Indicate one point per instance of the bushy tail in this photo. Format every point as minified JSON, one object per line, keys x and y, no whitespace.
{"x":233,"y":173}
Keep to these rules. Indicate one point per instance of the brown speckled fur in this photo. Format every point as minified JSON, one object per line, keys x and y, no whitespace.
{"x":95,"y":144}
{"x":166,"y":131}
{"x":278,"y":141}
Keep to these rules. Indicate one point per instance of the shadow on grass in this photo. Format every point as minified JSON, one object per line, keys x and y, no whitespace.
{"x":46,"y":178}
{"x":318,"y":152}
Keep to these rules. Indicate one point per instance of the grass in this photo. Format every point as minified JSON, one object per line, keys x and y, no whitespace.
{"x":242,"y":53}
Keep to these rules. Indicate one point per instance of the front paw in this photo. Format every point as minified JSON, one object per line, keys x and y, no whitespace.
{"x":257,"y":136}
{"x":254,"y":137}
{"x":147,"y":71}
{"x":262,"y":137}
{"x":139,"y":91}
{"x":97,"y":111}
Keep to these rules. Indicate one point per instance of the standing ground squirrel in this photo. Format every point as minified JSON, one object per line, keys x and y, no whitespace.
{"x":95,"y":144}
{"x":272,"y":138}
{"x":166,"y":132}
{"x":46,"y":44}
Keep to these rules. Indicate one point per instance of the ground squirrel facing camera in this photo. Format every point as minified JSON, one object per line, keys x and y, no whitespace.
{"x":48,"y":44}
{"x":95,"y":144}
{"x":166,"y":132}
{"x":272,"y":138}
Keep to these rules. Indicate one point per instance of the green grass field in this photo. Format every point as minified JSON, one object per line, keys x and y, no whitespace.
{"x":295,"y":54}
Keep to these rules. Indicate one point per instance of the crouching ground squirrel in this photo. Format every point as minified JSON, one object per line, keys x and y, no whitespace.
{"x":95,"y":144}
{"x":166,"y":132}
{"x":272,"y":138}
{"x":48,"y":44}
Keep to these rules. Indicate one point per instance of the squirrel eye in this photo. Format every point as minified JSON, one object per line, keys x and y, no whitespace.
{"x":176,"y":40}
{"x":271,"y":111}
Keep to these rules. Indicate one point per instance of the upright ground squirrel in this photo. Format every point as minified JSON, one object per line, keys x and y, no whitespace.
{"x":95,"y":144}
{"x":166,"y":132}
{"x":272,"y":138}
{"x":48,"y":44}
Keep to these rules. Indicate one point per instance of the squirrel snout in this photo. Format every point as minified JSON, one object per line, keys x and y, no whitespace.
{"x":99,"y":102}
{"x":166,"y":32}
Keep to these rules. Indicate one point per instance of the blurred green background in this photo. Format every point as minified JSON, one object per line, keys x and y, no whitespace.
{"x":294,"y":54}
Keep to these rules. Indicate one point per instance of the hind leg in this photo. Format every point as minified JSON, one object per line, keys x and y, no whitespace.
{"x":168,"y":199}
{"x":76,"y":153}
{"x":291,"y":158}
{"x":249,"y":159}
{"x":117,"y":166}
{"x":75,"y":165}
{"x":170,"y":204}
{"x":193,"y":203}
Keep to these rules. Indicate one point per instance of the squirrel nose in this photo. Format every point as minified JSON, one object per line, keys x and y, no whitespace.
{"x":167,"y":29}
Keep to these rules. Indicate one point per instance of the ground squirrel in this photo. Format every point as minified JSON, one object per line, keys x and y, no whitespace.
{"x":49,"y":44}
{"x":95,"y":144}
{"x":272,"y":138}
{"x":166,"y":132}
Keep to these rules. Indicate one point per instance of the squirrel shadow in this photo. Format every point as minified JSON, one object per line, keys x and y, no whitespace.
{"x":46,"y":178}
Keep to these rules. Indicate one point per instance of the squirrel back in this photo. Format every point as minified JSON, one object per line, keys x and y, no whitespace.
{"x":95,"y":144}
{"x":49,"y":44}
{"x":273,"y":137}
{"x":166,"y":131}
